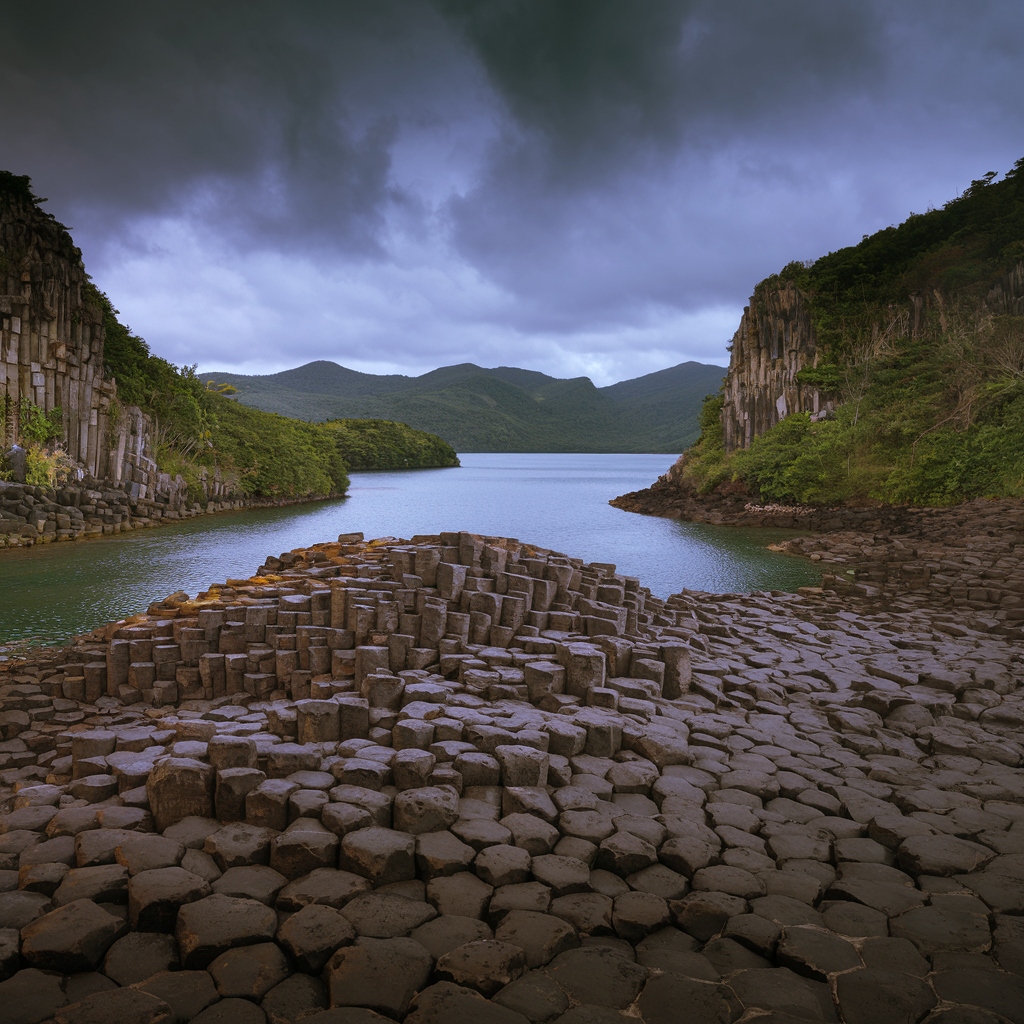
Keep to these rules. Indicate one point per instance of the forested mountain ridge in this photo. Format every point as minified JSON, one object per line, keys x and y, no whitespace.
{"x":500,"y":409}
{"x":201,"y":425}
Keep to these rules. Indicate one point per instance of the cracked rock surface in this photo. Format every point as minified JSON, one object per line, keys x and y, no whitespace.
{"x":457,"y":778}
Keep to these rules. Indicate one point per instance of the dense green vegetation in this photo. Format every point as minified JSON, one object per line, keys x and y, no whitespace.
{"x":37,"y":425}
{"x":384,"y":444}
{"x":502,"y":409}
{"x":46,"y":463}
{"x":932,"y":415}
{"x":198,"y":426}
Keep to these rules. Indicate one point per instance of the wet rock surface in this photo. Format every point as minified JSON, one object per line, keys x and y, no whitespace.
{"x":41,"y":515}
{"x":963,"y":562}
{"x":462,"y":778}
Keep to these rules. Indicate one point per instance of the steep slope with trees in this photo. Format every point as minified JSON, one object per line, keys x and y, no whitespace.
{"x":198,"y":425}
{"x":891,"y":371}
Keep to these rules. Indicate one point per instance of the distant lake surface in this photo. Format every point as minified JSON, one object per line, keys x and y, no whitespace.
{"x":555,"y":501}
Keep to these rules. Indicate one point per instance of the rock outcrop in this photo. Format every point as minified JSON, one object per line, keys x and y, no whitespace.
{"x":1006,"y":296}
{"x":774,"y":342}
{"x":776,"y":339}
{"x":40,"y":515}
{"x":51,"y":354}
{"x":52,"y":339}
{"x":462,"y":778}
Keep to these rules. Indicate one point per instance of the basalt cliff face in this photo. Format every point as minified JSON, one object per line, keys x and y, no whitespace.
{"x":52,"y":339}
{"x":774,"y":342}
{"x":776,"y":339}
{"x":1007,"y":295}
{"x":51,"y":352}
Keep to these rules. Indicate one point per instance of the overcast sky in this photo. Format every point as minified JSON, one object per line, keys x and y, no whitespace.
{"x":573,"y":186}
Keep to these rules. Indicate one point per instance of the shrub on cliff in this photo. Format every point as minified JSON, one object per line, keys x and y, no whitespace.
{"x":275,"y":456}
{"x":920,"y":434}
{"x":705,"y":465}
{"x":47,"y":463}
{"x":38,"y":426}
{"x":805,"y":463}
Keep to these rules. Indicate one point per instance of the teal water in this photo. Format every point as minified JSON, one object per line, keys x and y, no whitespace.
{"x":52,"y":592}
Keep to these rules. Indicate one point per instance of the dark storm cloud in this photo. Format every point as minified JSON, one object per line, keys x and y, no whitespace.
{"x":576,"y":185}
{"x":677,"y":124}
{"x":278,"y":118}
{"x":598,"y":78}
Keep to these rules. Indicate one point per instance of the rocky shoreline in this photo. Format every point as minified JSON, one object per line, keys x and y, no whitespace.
{"x":968,"y":558}
{"x":459,"y":778}
{"x":31,"y":515}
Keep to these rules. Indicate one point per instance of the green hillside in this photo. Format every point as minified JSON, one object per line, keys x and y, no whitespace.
{"x":384,"y":444}
{"x":922,"y":331}
{"x":199,"y":426}
{"x":501,"y":409}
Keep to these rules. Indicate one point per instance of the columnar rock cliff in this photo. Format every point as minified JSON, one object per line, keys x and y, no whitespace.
{"x":1007,"y":294}
{"x":774,"y":342}
{"x":51,"y":350}
{"x":52,"y":340}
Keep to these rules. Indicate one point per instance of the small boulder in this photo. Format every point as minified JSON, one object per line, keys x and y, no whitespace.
{"x":155,"y":896}
{"x":249,"y":972}
{"x":71,"y":938}
{"x":540,"y":936}
{"x":311,"y":935}
{"x":31,"y":995}
{"x":429,"y":809}
{"x":187,"y":993}
{"x":379,"y":974}
{"x":385,"y":915}
{"x":382,"y":855}
{"x":942,"y":855}
{"x":208,"y":927}
{"x":138,"y":956}
{"x":485,"y":966}
{"x":124,"y":1005}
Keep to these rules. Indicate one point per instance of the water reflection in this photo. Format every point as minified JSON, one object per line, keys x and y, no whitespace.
{"x":556,"y":501}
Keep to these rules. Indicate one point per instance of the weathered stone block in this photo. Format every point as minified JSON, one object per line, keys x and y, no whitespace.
{"x":179,"y":787}
{"x":232,"y":789}
{"x":318,"y":721}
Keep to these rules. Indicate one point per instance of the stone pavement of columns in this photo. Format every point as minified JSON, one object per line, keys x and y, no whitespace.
{"x":463,"y":779}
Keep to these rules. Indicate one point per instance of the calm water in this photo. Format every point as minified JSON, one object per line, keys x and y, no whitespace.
{"x":554,"y":501}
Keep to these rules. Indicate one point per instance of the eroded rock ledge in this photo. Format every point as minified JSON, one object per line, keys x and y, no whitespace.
{"x":460,"y":778}
{"x":31,"y":515}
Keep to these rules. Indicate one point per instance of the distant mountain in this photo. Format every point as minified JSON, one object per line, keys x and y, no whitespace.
{"x":505,"y":409}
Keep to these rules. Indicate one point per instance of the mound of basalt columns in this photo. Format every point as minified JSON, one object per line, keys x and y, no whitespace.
{"x":460,"y":778}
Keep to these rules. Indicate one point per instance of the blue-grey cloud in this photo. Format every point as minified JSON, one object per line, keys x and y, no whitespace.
{"x":574,"y":185}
